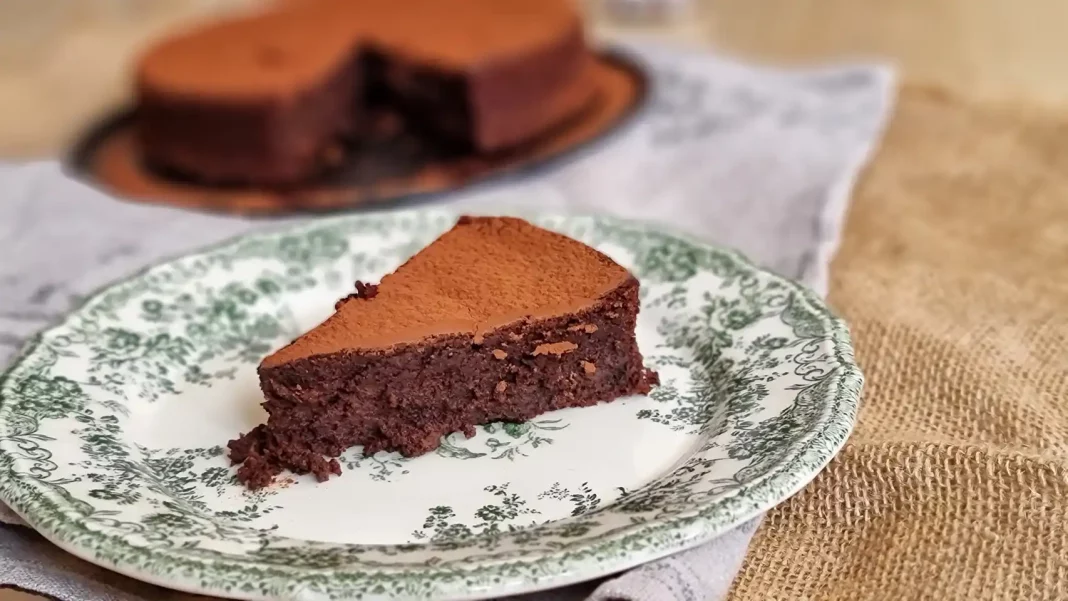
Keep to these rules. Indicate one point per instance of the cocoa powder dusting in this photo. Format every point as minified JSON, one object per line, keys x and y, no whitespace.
{"x":483,"y":273}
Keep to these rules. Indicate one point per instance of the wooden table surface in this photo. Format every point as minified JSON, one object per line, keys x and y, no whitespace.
{"x":65,"y":62}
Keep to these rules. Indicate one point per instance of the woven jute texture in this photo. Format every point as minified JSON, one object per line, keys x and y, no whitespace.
{"x":953,"y":275}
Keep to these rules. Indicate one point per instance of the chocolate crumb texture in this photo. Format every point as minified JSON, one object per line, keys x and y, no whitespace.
{"x":366,"y":290}
{"x":363,"y":291}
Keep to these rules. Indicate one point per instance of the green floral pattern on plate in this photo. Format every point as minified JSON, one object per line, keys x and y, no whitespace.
{"x":759,"y":382}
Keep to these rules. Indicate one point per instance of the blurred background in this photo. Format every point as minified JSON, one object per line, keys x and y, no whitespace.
{"x":64,"y":63}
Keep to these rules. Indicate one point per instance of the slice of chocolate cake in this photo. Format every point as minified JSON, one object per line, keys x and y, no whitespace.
{"x":496,"y":320}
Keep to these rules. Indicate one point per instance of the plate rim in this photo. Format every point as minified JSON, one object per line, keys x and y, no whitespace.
{"x":835,"y":425}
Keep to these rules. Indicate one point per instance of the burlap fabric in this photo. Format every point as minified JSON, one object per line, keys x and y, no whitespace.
{"x":953,"y":274}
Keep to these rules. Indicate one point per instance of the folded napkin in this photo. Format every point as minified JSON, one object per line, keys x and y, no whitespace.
{"x":759,"y":159}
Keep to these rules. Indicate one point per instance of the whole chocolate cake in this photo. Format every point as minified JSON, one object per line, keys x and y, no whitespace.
{"x":265,"y":99}
{"x":497,"y":320}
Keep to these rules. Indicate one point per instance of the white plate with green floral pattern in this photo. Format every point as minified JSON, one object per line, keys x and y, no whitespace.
{"x":113,"y":424}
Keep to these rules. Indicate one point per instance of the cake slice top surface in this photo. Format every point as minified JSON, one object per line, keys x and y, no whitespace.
{"x":484,"y":273}
{"x":301,"y":43}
